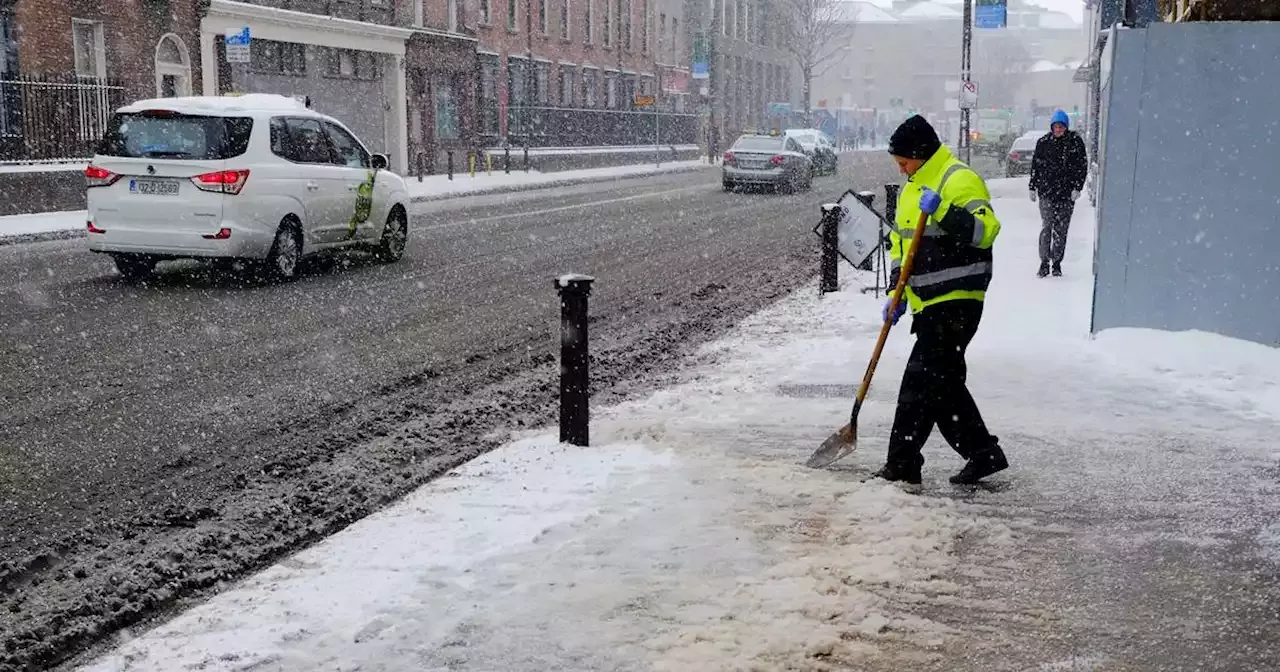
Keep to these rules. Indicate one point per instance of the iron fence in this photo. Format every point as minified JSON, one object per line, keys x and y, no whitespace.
{"x":576,"y":127}
{"x":49,"y":118}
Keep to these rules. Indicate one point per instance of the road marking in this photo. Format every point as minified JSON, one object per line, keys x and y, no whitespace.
{"x":562,"y":208}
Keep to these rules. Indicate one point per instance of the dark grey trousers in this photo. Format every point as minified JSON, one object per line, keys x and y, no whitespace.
{"x":1055,"y":221}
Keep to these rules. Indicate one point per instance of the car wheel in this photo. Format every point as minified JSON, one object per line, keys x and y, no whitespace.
{"x":134,"y":267}
{"x":395,"y":236}
{"x":728,"y":186}
{"x":286,"y":252}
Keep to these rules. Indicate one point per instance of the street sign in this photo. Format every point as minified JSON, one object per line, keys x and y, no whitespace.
{"x":991,"y":14}
{"x":237,"y":45}
{"x":779,"y":109}
{"x":645,"y":101}
{"x":969,"y":95}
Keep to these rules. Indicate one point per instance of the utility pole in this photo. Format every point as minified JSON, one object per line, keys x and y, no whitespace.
{"x":966,"y":68}
{"x":528,"y":70}
{"x":713,"y":76}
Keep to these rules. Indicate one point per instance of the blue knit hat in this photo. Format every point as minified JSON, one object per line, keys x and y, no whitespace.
{"x":1060,"y":117}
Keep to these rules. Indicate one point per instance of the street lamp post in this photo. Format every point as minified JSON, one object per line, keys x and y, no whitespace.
{"x":966,"y":67}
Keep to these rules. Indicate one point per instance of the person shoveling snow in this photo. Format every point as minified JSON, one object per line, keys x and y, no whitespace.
{"x":943,"y":270}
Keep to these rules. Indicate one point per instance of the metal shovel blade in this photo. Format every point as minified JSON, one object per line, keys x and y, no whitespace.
{"x":835,"y":448}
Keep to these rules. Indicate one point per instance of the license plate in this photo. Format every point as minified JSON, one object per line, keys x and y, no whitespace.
{"x":154,"y":187}
{"x":753,"y":165}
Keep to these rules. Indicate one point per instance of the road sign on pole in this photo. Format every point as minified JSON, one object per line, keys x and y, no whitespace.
{"x":991,"y":14}
{"x":237,"y":45}
{"x":969,"y":95}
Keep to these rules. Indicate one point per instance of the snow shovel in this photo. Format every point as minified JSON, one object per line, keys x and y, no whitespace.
{"x":839,"y":445}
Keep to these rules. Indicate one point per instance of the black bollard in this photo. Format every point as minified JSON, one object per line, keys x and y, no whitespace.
{"x":421,"y":159}
{"x":450,"y":153}
{"x":506,"y":158}
{"x":574,"y":379}
{"x":526,"y":158}
{"x":830,"y":248}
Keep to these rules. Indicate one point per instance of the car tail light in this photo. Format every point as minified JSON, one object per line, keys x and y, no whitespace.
{"x":1015,"y":156}
{"x":95,"y":176}
{"x":222,"y":181}
{"x":222,"y":234}
{"x":92,"y":228}
{"x":729,"y":158}
{"x":778,"y":159}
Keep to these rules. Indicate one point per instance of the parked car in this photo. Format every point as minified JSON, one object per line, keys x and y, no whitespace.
{"x":773,"y":160}
{"x":819,"y":148}
{"x":256,"y":177}
{"x":1018,"y":160}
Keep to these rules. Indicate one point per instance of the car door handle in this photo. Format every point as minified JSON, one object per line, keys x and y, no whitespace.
{"x":312,"y":186}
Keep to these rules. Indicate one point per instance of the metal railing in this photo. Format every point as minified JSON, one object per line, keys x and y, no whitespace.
{"x":50,"y":118}
{"x":578,"y":127}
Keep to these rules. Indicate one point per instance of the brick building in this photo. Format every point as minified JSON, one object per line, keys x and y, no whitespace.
{"x":66,"y":64}
{"x":586,"y":60}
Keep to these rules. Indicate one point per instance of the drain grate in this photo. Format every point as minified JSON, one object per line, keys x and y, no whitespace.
{"x":818,"y":391}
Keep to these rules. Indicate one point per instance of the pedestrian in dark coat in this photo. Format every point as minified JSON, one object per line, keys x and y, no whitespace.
{"x":1058,"y":171}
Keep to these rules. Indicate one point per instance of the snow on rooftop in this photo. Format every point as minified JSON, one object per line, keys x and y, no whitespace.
{"x":931,"y":10}
{"x":1045,"y":66}
{"x":863,"y":11}
{"x":248,"y":101}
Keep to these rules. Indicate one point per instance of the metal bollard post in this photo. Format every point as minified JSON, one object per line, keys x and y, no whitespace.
{"x":506,"y":158}
{"x":830,"y":248}
{"x":450,"y":153}
{"x":421,"y":158}
{"x":526,"y":158}
{"x":574,"y":379}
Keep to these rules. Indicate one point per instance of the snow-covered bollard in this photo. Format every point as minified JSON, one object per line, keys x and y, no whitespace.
{"x":574,"y":376}
{"x":830,"y":281}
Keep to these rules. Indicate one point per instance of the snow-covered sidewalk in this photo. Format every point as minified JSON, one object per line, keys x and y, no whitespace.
{"x":1131,"y":533}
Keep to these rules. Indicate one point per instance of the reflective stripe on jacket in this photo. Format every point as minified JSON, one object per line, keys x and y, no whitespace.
{"x":954,"y":259}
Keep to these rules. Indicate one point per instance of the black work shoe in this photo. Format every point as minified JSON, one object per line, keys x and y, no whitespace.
{"x":1044,"y":269}
{"x":981,"y":466}
{"x":898,"y":475}
{"x":1057,"y":270}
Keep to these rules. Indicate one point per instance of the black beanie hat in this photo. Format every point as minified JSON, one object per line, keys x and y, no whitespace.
{"x":914,"y":139}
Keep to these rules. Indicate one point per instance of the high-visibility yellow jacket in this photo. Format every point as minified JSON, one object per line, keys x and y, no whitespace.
{"x":954,"y":259}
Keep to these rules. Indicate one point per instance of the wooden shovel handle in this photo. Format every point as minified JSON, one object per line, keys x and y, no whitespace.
{"x":904,"y":272}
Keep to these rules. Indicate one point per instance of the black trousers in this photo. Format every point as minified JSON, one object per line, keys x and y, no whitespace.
{"x":1055,"y":222}
{"x":933,"y":388}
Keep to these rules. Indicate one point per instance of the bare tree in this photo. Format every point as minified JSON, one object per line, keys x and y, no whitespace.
{"x":1000,"y":63}
{"x":815,"y":32}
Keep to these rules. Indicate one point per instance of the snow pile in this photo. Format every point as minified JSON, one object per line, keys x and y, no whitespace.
{"x":497,"y":179}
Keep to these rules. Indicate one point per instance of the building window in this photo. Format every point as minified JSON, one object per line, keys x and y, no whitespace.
{"x":173,"y":67}
{"x":542,"y":16}
{"x":511,"y":15}
{"x":608,"y":22}
{"x":351,"y":64}
{"x":611,"y":91}
{"x":626,"y":26}
{"x":488,"y":94}
{"x":564,"y":20}
{"x":644,"y":29}
{"x":675,"y":41}
{"x":517,"y":71}
{"x":587,"y":17}
{"x":485,"y":17}
{"x":90,"y":50}
{"x":278,"y":58}
{"x":542,"y":80}
{"x":566,"y":86}
{"x":590,"y":82}
{"x":446,"y":107}
{"x":454,"y":8}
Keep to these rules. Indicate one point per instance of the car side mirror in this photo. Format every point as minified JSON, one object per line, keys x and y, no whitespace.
{"x":380,"y":162}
